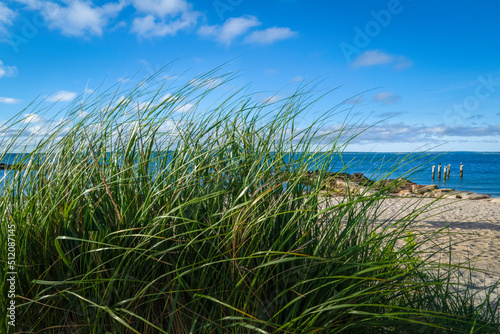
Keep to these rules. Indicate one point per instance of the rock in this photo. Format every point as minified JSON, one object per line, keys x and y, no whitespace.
{"x":357,"y":183}
{"x":441,"y":192}
{"x":325,"y":193}
{"x":342,"y":184}
{"x":415,"y":187}
{"x":474,"y":196}
{"x":466,"y":195}
{"x":363,"y":191}
{"x":394,"y":186}
{"x":453,"y":194}
{"x":425,"y":189}
{"x":361,"y":179}
{"x":405,"y":193}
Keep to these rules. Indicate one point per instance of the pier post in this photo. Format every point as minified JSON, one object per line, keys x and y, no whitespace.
{"x":433,"y":171}
{"x":461,"y":170}
{"x":444,"y":173}
{"x":439,"y":171}
{"x":449,"y":168}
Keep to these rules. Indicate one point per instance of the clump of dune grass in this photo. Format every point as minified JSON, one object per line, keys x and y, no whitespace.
{"x":157,"y":210}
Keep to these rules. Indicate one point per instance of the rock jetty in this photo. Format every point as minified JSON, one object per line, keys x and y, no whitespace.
{"x":340,"y":184}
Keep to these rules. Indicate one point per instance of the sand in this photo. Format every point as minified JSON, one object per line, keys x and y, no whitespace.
{"x":471,"y":228}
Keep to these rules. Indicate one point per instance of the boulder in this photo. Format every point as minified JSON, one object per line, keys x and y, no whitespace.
{"x":415,"y":187}
{"x":361,"y":179}
{"x":394,"y":185}
{"x":425,"y":189}
{"x":342,"y":184}
{"x":365,"y":191}
{"x":440,"y":192}
{"x":405,"y":193}
{"x":474,"y":196}
{"x":453,"y":194}
{"x":466,"y":195}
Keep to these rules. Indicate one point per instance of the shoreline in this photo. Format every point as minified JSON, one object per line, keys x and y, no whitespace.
{"x":469,"y":232}
{"x":335,"y":183}
{"x":471,"y":229}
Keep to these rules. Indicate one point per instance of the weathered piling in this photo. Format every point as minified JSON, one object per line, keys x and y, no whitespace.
{"x":449,"y":169}
{"x":461,"y":170}
{"x":444,"y":173}
{"x":439,"y":171}
{"x":433,"y":171}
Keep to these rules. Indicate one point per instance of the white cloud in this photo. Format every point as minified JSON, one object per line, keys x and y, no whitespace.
{"x":161,"y":7}
{"x":76,"y":17}
{"x":82,"y":114}
{"x":62,"y":96}
{"x":207,"y":30}
{"x":151,"y":26}
{"x":33,"y":118}
{"x":418,"y":134}
{"x":391,"y":114}
{"x":271,"y":99}
{"x":207,"y":83}
{"x":140,"y":106}
{"x":370,"y":58}
{"x":43,"y":127}
{"x":386,"y":98}
{"x":270,"y":35}
{"x":163,"y":17}
{"x":152,"y":18}
{"x":9,"y":100}
{"x":7,"y":16}
{"x":8,"y":71}
{"x":184,"y":108}
{"x":123,"y":99}
{"x":402,"y":63}
{"x":376,"y":57}
{"x":298,"y":78}
{"x":401,"y":132}
{"x":170,"y":126}
{"x":231,"y":29}
{"x":354,"y":100}
{"x":165,"y":97}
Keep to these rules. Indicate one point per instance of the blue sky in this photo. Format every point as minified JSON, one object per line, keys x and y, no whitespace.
{"x":429,"y":71}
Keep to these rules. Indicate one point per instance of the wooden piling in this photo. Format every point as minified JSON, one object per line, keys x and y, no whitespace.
{"x":444,"y":173}
{"x":439,"y":171}
{"x":461,"y":170}
{"x":433,"y":171}
{"x":449,"y":169}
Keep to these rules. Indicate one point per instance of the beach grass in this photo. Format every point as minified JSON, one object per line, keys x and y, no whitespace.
{"x":181,"y":213}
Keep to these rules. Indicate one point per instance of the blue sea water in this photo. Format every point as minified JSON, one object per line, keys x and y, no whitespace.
{"x":481,"y":169}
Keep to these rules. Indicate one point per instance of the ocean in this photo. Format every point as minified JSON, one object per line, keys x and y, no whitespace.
{"x":481,"y":169}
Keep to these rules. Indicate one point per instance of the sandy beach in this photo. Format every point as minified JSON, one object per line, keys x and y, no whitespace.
{"x":474,"y":226}
{"x":471,"y":229}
